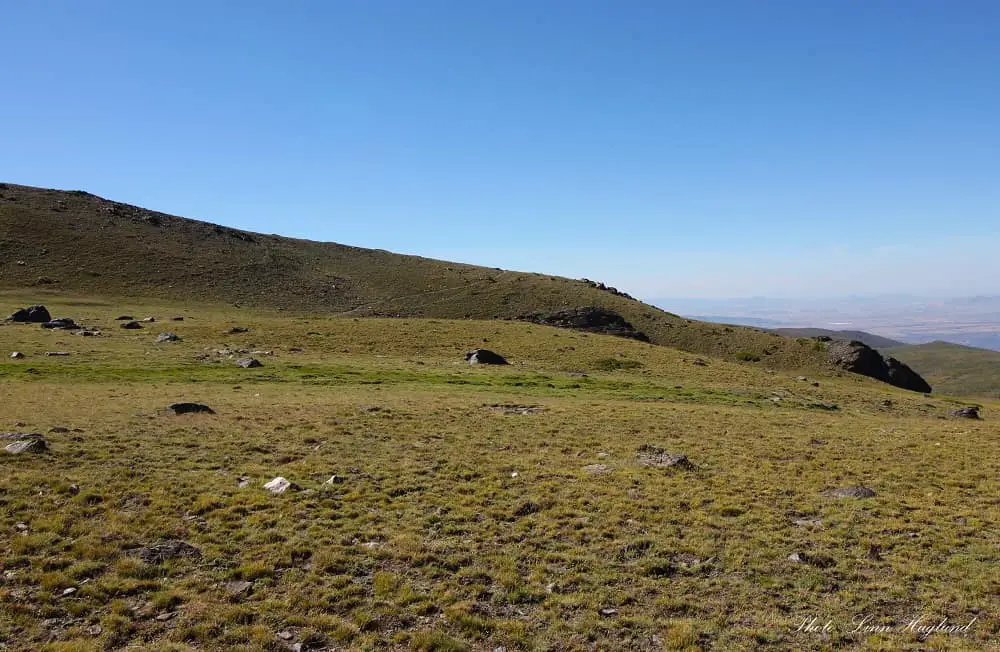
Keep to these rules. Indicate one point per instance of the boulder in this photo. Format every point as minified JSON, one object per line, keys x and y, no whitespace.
{"x":591,"y":319}
{"x":859,"y":358}
{"x":31,"y":315}
{"x":63,"y":323}
{"x":32,"y":445}
{"x":191,"y":408}
{"x":248,"y":363}
{"x":484,"y":356}
{"x":657,"y":457}
{"x":168,"y":337}
{"x":280,"y":485}
{"x":17,"y":355}
{"x":131,"y":325}
{"x":967,"y":412}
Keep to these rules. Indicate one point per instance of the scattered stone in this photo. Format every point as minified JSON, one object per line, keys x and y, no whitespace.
{"x":967,"y":412}
{"x":608,"y":611}
{"x":189,"y":408}
{"x":149,"y":320}
{"x":170,"y":549}
{"x":236,"y":330}
{"x":857,"y":491}
{"x":57,"y":354}
{"x":17,"y":355}
{"x":657,"y":457}
{"x":591,"y":319}
{"x":516,"y":409}
{"x":131,"y":325}
{"x":596,"y":468}
{"x":63,"y":323}
{"x":238,"y":587}
{"x":168,"y":337}
{"x":819,"y":561}
{"x":33,"y":445}
{"x":248,"y":363}
{"x":125,"y":318}
{"x":31,"y":315}
{"x":859,"y":358}
{"x":485,"y":356}
{"x":280,"y":485}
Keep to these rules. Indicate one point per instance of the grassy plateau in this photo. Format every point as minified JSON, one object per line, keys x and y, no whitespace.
{"x":476,"y":508}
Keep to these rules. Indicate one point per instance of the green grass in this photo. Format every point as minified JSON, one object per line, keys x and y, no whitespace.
{"x":460,"y":527}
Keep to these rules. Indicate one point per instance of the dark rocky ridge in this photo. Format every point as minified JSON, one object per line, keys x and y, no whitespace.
{"x":591,"y":319}
{"x":860,"y":358}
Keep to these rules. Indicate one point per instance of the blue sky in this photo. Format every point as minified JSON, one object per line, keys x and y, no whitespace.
{"x":687,"y":149}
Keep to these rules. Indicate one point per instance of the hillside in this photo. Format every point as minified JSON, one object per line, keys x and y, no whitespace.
{"x":64,"y":242}
{"x":597,"y":493}
{"x":953,"y":369}
{"x":874,"y":341}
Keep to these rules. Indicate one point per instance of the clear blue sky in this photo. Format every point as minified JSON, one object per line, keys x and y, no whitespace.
{"x":753,"y":147}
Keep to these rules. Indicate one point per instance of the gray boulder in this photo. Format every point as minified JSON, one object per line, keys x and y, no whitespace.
{"x":168,"y":337}
{"x":967,"y":412}
{"x":484,"y":356}
{"x":32,"y":445}
{"x":63,"y":323}
{"x":31,"y":315}
{"x":859,"y":358}
{"x":248,"y":363}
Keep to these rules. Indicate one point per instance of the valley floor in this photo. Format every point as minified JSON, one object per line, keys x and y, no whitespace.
{"x":458,"y":523}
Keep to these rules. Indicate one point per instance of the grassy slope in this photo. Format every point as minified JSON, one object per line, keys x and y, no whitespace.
{"x":77,"y":243}
{"x":431,"y":543}
{"x":874,"y":341}
{"x":952,"y":368}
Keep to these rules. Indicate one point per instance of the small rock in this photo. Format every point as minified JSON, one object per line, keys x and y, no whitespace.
{"x":170,"y":549}
{"x":125,"y":318}
{"x":831,"y":407}
{"x":280,"y":485}
{"x":131,"y":325}
{"x":819,"y":561}
{"x":188,"y":408}
{"x":176,"y":319}
{"x":808,"y":522}
{"x":286,"y":636}
{"x":166,"y":616}
{"x":58,"y":429}
{"x":74,"y":489}
{"x":596,"y":468}
{"x":17,"y":355}
{"x":149,"y":320}
{"x":698,"y":362}
{"x":514,"y":474}
{"x":657,"y":457}
{"x":335,"y":479}
{"x":33,"y":445}
{"x":608,"y":611}
{"x":94,"y":630}
{"x":70,"y":591}
{"x":88,"y":333}
{"x":21,"y":527}
{"x":236,"y":330}
{"x":858,"y":491}
{"x":242,"y":481}
{"x":63,"y":323}
{"x":967,"y":412}
{"x":485,"y":356}
{"x":796,"y":557}
{"x":168,"y":337}
{"x":248,"y":363}
{"x":57,"y":354}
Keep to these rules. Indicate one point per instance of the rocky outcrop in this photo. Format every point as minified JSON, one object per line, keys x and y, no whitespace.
{"x":591,"y":319}
{"x":859,"y":358}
